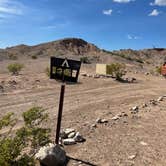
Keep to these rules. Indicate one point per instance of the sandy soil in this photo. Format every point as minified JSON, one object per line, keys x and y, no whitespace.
{"x":136,"y":139}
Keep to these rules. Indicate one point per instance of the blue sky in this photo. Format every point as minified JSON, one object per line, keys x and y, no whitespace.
{"x":110,"y":24}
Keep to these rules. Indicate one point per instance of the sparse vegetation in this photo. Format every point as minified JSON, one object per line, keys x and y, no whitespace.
{"x":34,"y":57}
{"x":15,"y":68}
{"x":117,"y":70}
{"x":12,"y":57}
{"x":158,"y":69}
{"x":12,"y":148}
{"x":84,"y":59}
{"x":47,"y":71}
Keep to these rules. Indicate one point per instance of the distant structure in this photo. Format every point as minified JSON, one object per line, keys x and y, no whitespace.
{"x":101,"y":69}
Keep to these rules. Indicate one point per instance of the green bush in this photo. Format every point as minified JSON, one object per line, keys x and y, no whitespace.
{"x":117,"y":70}
{"x":158,"y":69}
{"x":47,"y":71}
{"x":12,"y":57}
{"x":34,"y":57}
{"x":31,"y":135}
{"x":15,"y":68}
{"x":84,"y":59}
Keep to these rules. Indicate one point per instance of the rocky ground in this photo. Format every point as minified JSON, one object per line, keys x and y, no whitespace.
{"x":124,"y":124}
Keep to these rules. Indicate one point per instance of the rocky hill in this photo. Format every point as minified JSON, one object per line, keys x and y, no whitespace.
{"x":74,"y":47}
{"x":69,"y":46}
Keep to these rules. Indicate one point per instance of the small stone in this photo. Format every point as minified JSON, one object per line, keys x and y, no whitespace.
{"x":160,"y":98}
{"x":132,"y":157}
{"x":153,"y":102}
{"x":104,"y":121}
{"x":94,"y":126}
{"x":143,"y":143}
{"x":144,"y":105}
{"x":71,"y":135}
{"x":84,"y":74}
{"x":135,"y":109}
{"x":115,"y":117}
{"x":79,"y":138}
{"x":98,"y":120}
{"x":63,"y":135}
{"x":68,"y":131}
{"x":1,"y":89}
{"x":69,"y":141}
{"x":96,"y":76}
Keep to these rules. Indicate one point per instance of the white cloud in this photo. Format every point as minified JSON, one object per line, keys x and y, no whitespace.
{"x":159,"y":2}
{"x":122,"y":1}
{"x":132,"y":37}
{"x":50,"y":27}
{"x":11,"y":7}
{"x":155,"y":12}
{"x":107,"y":12}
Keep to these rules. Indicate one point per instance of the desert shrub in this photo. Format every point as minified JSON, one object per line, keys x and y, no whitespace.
{"x":13,"y":144}
{"x":15,"y":68}
{"x":47,"y":71}
{"x":158,"y":69}
{"x":12,"y":57}
{"x":34,"y":57}
{"x":117,"y":70}
{"x":84,"y":59}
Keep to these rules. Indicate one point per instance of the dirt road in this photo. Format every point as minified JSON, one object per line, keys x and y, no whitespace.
{"x":137,"y":139}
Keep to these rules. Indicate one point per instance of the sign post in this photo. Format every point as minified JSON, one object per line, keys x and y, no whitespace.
{"x":60,"y":113}
{"x":62,"y":69}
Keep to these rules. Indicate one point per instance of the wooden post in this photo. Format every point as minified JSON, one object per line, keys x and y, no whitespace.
{"x":60,"y":113}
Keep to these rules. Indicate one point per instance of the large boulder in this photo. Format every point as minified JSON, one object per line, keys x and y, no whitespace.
{"x":51,"y":155}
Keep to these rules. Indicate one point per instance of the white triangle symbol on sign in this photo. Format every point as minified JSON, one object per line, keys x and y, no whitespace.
{"x":65,"y":63}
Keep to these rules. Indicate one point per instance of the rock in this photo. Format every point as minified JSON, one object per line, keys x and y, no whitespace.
{"x":71,"y":135}
{"x":132,"y":157}
{"x":123,"y":114}
{"x":79,"y":138}
{"x":13,"y":82}
{"x":1,"y":89}
{"x":68,"y":131}
{"x":143,"y":143}
{"x":104,"y":121}
{"x":69,"y":141}
{"x":96,"y":76}
{"x":135,"y":109}
{"x":89,"y":75}
{"x":98,"y":120}
{"x":160,"y":98}
{"x":131,"y":80}
{"x":83,"y":74}
{"x":115,"y":117}
{"x":93,"y":126}
{"x":51,"y":155}
{"x":63,"y":135}
{"x":153,"y":102}
{"x":37,"y":81}
{"x":144,"y":105}
{"x":147,"y":73}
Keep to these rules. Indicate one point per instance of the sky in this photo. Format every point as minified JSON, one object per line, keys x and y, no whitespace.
{"x":109,"y":24}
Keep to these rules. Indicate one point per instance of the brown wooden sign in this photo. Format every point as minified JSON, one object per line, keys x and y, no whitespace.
{"x":64,"y":69}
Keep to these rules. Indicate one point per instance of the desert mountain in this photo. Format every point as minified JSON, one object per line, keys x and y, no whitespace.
{"x":69,"y":46}
{"x":75,"y":47}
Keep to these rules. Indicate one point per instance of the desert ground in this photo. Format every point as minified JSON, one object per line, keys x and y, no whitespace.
{"x":131,"y":140}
